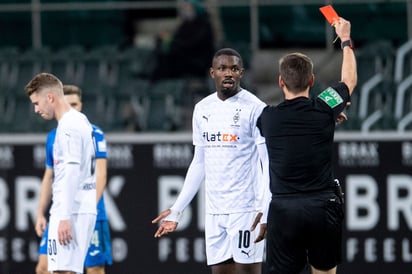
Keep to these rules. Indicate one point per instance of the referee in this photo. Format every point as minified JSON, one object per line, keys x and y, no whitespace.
{"x":306,"y":212}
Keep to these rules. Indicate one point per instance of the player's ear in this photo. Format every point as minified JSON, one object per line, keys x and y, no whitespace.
{"x":212,"y":73}
{"x":242,"y":70}
{"x":50,"y":97}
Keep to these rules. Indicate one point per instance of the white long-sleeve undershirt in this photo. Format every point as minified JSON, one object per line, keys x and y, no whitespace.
{"x":194,"y":178}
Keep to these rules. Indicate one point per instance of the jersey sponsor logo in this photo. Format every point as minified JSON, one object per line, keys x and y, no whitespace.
{"x":43,"y":242}
{"x":220,"y":137}
{"x":101,"y":146}
{"x":94,"y":253}
{"x":331,"y":97}
{"x":89,"y":186}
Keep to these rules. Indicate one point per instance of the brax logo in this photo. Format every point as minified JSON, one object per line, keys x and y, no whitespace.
{"x":220,"y":137}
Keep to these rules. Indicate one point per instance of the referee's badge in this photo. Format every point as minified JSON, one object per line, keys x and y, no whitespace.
{"x":331,"y":97}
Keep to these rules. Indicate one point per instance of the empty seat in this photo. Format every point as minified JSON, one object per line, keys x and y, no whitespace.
{"x":131,"y":104}
{"x":32,"y":62}
{"x":165,"y":111}
{"x":67,"y":64}
{"x":8,"y":68}
{"x":98,"y":69}
{"x":375,"y":57}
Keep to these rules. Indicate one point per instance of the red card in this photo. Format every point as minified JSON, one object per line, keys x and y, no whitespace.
{"x":329,"y":12}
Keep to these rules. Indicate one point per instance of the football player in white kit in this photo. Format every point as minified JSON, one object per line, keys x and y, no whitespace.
{"x":73,"y":209}
{"x":231,"y":158}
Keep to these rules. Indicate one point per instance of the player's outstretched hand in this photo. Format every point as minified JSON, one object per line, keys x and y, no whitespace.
{"x":262,"y":231}
{"x":165,"y":227}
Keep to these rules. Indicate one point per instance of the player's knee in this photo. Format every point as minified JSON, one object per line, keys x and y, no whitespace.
{"x":41,"y":269}
{"x":95,"y":270}
{"x":318,"y":271}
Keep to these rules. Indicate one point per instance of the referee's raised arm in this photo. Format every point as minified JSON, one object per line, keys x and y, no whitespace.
{"x":349,"y":71}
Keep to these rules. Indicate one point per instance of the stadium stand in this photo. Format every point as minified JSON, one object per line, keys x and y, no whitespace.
{"x":115,"y":76}
{"x":119,"y":95}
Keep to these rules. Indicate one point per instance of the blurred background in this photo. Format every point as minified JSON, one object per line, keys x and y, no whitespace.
{"x":142,"y":65}
{"x":123,"y":54}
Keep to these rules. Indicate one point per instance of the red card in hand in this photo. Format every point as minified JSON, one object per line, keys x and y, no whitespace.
{"x":329,"y":12}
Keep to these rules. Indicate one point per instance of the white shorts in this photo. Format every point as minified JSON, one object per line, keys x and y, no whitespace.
{"x":229,"y":236}
{"x":70,"y":257}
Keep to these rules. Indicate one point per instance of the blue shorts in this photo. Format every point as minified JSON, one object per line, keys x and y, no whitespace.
{"x":43,"y":242}
{"x":100,"y":251}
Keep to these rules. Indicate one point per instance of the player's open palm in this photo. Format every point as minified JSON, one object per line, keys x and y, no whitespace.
{"x":165,"y":227}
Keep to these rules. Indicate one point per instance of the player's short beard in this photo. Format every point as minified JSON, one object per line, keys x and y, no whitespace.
{"x":228,"y":92}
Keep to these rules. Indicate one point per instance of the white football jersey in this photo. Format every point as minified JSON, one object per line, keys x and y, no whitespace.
{"x":74,"y":145}
{"x":227,"y":131}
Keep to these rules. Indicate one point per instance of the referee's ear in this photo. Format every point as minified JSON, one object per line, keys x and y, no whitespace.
{"x":280,"y":82}
{"x":312,"y":81}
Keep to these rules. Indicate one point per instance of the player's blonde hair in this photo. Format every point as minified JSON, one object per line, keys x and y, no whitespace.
{"x":72,"y":89}
{"x":41,"y":81}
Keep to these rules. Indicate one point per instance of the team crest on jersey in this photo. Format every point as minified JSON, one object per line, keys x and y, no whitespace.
{"x":236,"y":118}
{"x":331,"y":97}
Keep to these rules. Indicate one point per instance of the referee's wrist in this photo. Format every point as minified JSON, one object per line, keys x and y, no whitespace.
{"x":346,"y":43}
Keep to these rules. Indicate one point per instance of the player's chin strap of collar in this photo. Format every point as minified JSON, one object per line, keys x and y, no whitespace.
{"x":339,"y":192}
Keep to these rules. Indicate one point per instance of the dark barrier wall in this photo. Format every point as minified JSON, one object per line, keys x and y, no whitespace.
{"x":145,"y":177}
{"x":377,"y":179}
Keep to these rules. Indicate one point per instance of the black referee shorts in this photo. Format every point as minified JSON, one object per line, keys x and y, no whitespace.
{"x":301,"y":229}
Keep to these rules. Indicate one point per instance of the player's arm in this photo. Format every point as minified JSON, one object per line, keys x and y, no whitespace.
{"x":101,"y":177}
{"x":69,"y":180}
{"x":194,"y":178}
{"x":46,"y":186}
{"x":101,"y":161}
{"x":263,"y":192}
{"x":349,"y":69}
{"x":44,"y":200}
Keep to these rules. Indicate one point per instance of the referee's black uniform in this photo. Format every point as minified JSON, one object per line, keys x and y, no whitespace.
{"x":304,"y":213}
